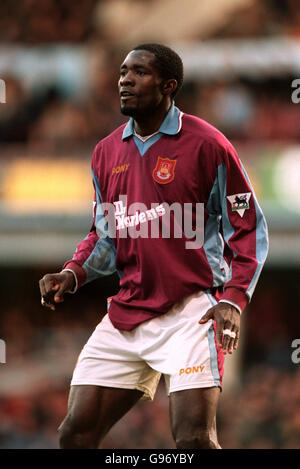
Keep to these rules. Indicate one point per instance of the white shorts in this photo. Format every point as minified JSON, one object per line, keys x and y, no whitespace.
{"x":173,"y":344}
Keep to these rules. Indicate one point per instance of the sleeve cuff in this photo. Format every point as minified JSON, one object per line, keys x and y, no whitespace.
{"x":78,"y":271}
{"x":235,"y":297}
{"x":75,"y":278}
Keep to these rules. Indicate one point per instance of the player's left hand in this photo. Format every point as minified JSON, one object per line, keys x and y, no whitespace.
{"x":227,"y":319}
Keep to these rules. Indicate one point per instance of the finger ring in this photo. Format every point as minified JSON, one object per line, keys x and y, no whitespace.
{"x":232,"y":334}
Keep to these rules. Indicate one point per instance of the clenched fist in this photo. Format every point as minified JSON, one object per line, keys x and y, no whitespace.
{"x":54,"y":286}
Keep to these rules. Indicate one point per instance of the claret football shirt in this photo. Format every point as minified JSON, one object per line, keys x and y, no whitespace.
{"x":174,"y":213}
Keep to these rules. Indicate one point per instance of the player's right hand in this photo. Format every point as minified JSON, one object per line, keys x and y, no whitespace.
{"x":54,"y":286}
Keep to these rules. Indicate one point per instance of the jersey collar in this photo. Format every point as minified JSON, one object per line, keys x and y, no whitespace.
{"x":171,"y":124}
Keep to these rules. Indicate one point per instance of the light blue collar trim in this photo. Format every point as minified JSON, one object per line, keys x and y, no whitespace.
{"x":170,"y":126}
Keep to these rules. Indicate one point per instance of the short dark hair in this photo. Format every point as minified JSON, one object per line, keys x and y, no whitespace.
{"x":167,"y":62}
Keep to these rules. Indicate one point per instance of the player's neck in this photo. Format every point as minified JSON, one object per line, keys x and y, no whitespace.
{"x":149,"y":124}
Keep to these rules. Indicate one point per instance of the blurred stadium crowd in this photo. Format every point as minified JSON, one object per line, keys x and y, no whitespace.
{"x":265,"y":418}
{"x":34,"y":22}
{"x":42,"y":347}
{"x":243,"y":108}
{"x":259,"y":411}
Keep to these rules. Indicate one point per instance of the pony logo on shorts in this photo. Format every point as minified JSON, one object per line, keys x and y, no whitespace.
{"x":164,"y":171}
{"x":191,"y":369}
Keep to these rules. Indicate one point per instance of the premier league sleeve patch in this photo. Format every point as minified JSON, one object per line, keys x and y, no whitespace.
{"x":239,"y":202}
{"x":164,"y":171}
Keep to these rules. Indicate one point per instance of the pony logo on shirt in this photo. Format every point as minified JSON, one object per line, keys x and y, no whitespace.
{"x":164,"y":171}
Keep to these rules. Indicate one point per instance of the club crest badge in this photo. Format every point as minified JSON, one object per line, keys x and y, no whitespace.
{"x":164,"y":171}
{"x":239,"y":202}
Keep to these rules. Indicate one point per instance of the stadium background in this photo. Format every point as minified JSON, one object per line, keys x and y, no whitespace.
{"x":60,"y":62}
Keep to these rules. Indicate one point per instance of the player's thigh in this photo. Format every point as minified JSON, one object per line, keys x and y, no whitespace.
{"x":96,"y":409}
{"x":193,"y":411}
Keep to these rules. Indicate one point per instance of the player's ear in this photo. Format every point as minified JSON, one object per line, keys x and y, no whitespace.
{"x":169,"y":86}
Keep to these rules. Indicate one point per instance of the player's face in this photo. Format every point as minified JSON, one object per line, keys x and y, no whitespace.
{"x":139,"y":84}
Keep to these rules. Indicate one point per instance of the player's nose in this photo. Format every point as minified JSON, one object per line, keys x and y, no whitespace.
{"x":127,"y":79}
